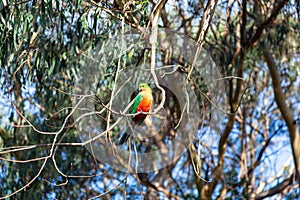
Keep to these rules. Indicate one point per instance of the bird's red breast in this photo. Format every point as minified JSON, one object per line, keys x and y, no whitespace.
{"x":144,"y":105}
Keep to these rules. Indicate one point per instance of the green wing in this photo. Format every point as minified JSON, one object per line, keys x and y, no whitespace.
{"x":136,"y":103}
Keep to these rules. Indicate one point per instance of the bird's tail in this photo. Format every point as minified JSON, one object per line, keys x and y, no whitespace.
{"x":124,"y":138}
{"x":129,"y":131}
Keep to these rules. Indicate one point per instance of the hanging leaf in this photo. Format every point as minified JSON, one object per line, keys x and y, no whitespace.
{"x":52,"y":66}
{"x":130,"y":54}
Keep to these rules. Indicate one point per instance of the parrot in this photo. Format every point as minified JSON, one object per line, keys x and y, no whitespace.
{"x":142,"y":102}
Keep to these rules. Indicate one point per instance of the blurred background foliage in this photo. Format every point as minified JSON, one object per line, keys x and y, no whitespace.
{"x":42,"y":44}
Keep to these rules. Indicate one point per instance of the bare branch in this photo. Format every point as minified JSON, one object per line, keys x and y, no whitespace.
{"x":285,"y":111}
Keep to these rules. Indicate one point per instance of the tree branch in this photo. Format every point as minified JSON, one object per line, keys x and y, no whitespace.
{"x":266,"y":23}
{"x":285,"y":111}
{"x":274,"y":190}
